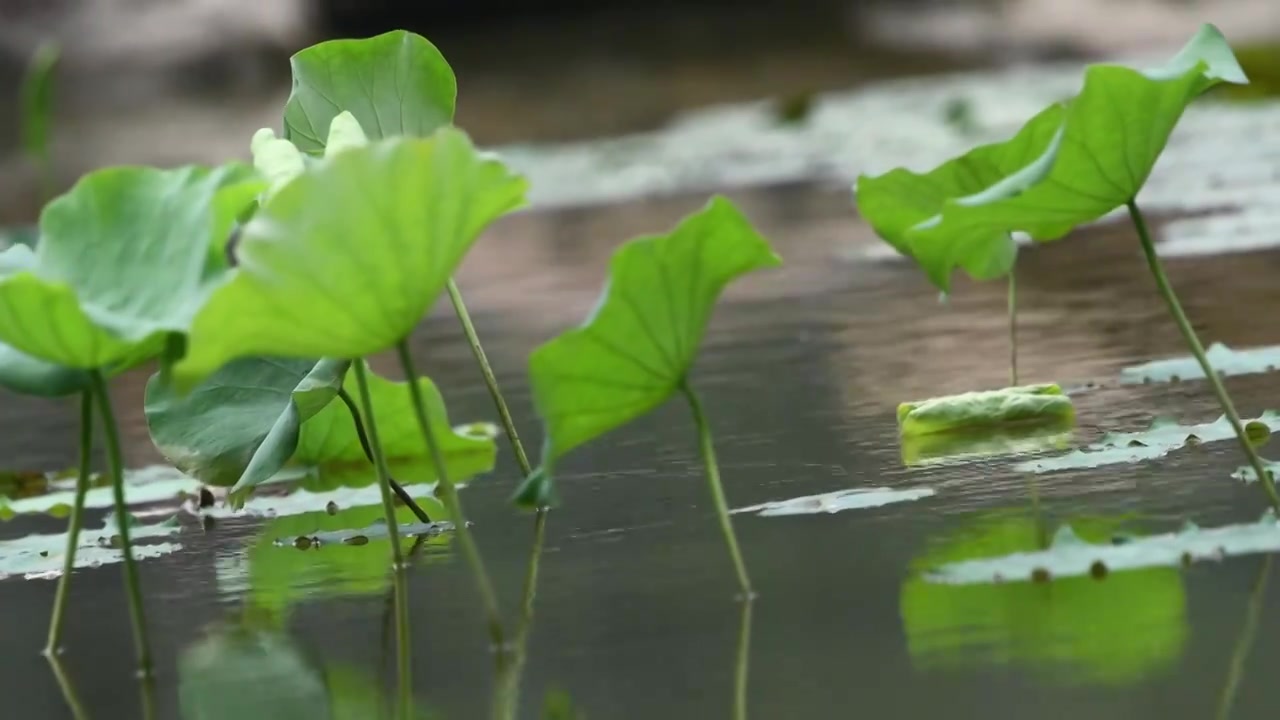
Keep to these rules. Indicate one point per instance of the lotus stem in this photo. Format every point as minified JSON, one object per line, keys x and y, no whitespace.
{"x":1193,"y":342}
{"x":396,"y":487}
{"x":743,"y":663}
{"x":1244,"y":644}
{"x":73,"y":527}
{"x":1013,"y":328}
{"x":68,"y":689}
{"x":380,"y":465}
{"x":717,"y":489}
{"x":490,"y":380}
{"x":404,"y":677}
{"x":509,"y":692}
{"x":452,"y":503}
{"x":115,"y":463}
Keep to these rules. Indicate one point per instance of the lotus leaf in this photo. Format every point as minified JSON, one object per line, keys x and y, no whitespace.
{"x":1045,"y":404}
{"x":641,"y":339}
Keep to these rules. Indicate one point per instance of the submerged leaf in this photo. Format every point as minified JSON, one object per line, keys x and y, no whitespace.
{"x":396,"y":83}
{"x":124,"y":260}
{"x":987,"y":408}
{"x":840,"y":500}
{"x":1113,"y":630}
{"x":1222,"y":359}
{"x":346,"y":259}
{"x":41,"y":557}
{"x":1070,"y":164}
{"x":255,"y":416}
{"x":641,"y":339}
{"x":1163,"y":437}
{"x":1069,"y":556}
{"x":147,"y":485}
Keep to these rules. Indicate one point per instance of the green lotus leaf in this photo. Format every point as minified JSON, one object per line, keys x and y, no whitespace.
{"x":396,"y":83}
{"x":24,"y":374}
{"x":1115,"y":630}
{"x":1070,"y":164}
{"x":124,"y":260}
{"x":1028,"y":404}
{"x":345,"y":260}
{"x":1163,"y":437}
{"x":256,"y":416}
{"x":280,"y":161}
{"x":643,"y":336}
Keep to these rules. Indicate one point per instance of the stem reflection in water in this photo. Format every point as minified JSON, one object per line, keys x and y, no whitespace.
{"x":1244,"y":644}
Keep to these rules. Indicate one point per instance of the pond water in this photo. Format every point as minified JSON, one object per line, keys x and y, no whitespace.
{"x":636,"y":614}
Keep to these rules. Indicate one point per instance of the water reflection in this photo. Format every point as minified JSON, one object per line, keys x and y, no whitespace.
{"x":1113,"y":631}
{"x":1244,"y":644}
{"x":238,"y":671}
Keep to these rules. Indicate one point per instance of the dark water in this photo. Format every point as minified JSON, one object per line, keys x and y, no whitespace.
{"x":801,"y":373}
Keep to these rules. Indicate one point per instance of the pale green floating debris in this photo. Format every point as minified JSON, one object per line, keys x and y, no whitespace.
{"x":985,"y":408}
{"x":961,"y":447}
{"x":301,"y":501}
{"x":1078,"y":558}
{"x":1164,"y":436}
{"x":1247,"y":475}
{"x":155,"y":483}
{"x":1224,"y":360}
{"x":41,"y":557}
{"x":834,"y":502}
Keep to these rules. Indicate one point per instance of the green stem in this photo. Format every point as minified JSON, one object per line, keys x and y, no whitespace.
{"x":1013,"y":329}
{"x":490,"y":380}
{"x":510,"y":679}
{"x":717,"y":489}
{"x":510,"y":675}
{"x":1189,"y":334}
{"x":68,"y":690}
{"x":73,"y":526}
{"x":396,"y":487}
{"x":404,"y":678}
{"x":380,"y":465}
{"x":743,"y":663}
{"x":1248,"y":633}
{"x":115,"y":462}
{"x":452,"y":503}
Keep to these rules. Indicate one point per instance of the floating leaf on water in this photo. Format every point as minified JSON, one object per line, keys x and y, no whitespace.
{"x":1164,"y":437}
{"x":1076,"y":558}
{"x":1029,"y":404}
{"x":154,"y":234}
{"x":948,"y":448}
{"x":147,"y":485}
{"x":42,"y":556}
{"x":1070,"y":164}
{"x":346,"y":259}
{"x":1246,"y":474}
{"x":1107,"y":628}
{"x":275,"y":576}
{"x":642,"y":337}
{"x":834,"y":502}
{"x":396,"y":83}
{"x":1223,"y":359}
{"x":256,"y":416}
